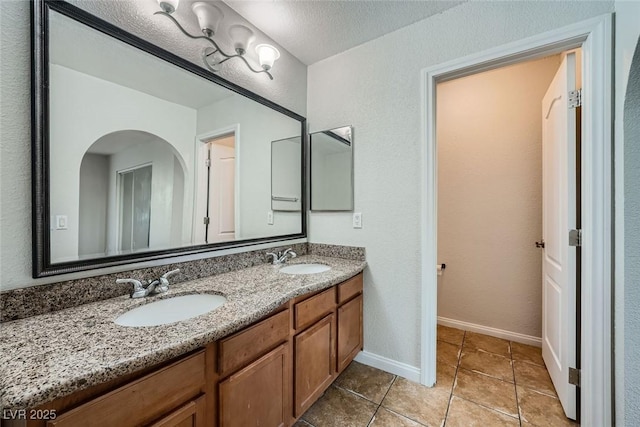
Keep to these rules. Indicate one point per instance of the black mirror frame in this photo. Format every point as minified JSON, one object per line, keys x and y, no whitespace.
{"x":40,"y":201}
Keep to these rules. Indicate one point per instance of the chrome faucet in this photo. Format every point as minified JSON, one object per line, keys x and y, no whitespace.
{"x":151,"y":287}
{"x":281,"y":256}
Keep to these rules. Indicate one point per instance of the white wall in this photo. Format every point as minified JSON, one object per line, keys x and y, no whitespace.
{"x":74,"y":128}
{"x":489,"y":132}
{"x":93,"y":195}
{"x":377,"y":90}
{"x":627,"y":224}
{"x":259,"y":126}
{"x":288,"y":89}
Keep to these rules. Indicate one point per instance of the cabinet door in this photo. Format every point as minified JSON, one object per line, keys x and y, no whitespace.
{"x":349,"y":331}
{"x":189,"y":415}
{"x":315,"y":362}
{"x":258,"y":395}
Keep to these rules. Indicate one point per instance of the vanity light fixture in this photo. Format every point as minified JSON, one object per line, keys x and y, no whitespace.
{"x":209,"y":17}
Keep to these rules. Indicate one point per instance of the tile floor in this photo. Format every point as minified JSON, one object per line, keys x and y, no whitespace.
{"x":481,"y":381}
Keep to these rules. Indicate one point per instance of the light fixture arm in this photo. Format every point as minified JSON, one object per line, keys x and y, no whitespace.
{"x":215,"y":45}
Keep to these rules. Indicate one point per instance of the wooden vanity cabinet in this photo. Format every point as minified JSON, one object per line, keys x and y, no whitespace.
{"x":267,"y":374}
{"x":315,"y":362}
{"x":350,"y":336}
{"x":256,"y":364}
{"x":174,"y":395}
{"x":259,"y":394}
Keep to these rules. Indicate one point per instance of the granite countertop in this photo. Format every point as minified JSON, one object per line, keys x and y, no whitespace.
{"x":52,"y":355}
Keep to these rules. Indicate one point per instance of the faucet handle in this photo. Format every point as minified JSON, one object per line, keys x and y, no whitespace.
{"x":274,"y":257}
{"x":163,"y":286}
{"x":170,"y":273}
{"x":138,"y":289}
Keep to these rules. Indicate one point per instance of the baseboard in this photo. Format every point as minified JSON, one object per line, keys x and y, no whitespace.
{"x":389,"y":365}
{"x":494,"y":332}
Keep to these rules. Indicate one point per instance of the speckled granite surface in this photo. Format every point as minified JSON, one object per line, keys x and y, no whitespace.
{"x":55,"y":354}
{"x":347,"y":252}
{"x":35,"y":300}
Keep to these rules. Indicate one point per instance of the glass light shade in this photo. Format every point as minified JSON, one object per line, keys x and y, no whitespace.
{"x":169,"y":6}
{"x":267,"y":55}
{"x":242,"y":38}
{"x":209,"y":16}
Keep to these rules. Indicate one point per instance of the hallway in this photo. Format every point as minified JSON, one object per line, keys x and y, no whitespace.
{"x":481,"y":381}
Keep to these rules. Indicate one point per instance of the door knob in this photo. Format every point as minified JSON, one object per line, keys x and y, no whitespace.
{"x":540,"y":244}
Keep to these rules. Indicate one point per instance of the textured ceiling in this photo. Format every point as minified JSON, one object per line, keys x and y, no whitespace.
{"x":313,"y":30}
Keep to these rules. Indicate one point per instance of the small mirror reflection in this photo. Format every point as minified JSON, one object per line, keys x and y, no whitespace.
{"x":332,"y":169}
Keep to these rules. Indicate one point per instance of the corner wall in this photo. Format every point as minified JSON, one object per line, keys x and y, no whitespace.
{"x":376,"y":88}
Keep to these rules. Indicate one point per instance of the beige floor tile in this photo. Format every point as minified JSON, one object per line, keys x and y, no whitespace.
{"x":541,"y":410}
{"x":425,"y":405}
{"x":486,"y":391}
{"x":445,"y":374}
{"x":365,"y":381}
{"x":447,"y":353}
{"x":450,"y":335}
{"x":302,"y":423}
{"x":340,"y":408}
{"x":487,"y":363}
{"x":463,"y":413}
{"x":386,"y":418}
{"x":533,"y":376}
{"x":495,"y":345}
{"x":526,"y":353}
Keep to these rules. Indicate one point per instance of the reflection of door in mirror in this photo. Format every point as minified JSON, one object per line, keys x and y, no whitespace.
{"x":216,"y":190}
{"x":135,"y":208}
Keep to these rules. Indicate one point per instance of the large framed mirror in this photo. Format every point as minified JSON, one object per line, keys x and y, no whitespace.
{"x":139,"y":154}
{"x":331,"y":158}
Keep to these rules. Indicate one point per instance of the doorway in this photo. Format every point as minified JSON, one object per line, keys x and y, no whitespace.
{"x":594,"y":37}
{"x":135,"y":208}
{"x":216,"y":201}
{"x":507,"y":184}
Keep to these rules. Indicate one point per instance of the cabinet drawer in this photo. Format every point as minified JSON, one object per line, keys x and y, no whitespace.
{"x":246,"y":346}
{"x":314,"y":308}
{"x":142,"y":400}
{"x":350,"y":288}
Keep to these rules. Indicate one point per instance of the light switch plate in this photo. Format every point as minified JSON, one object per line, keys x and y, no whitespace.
{"x":357,"y":220}
{"x":270,"y":217}
{"x":61,"y":222}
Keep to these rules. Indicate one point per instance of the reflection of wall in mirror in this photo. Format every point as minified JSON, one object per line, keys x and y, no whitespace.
{"x":285,"y":175}
{"x":75,"y":127}
{"x":258,"y":126}
{"x":331,"y":180}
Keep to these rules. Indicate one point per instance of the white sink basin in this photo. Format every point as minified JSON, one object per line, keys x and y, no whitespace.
{"x":170,"y":310}
{"x":305,"y":269}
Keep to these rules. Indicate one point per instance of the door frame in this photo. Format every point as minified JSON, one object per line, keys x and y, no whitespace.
{"x":595,"y":38}
{"x":200,"y":141}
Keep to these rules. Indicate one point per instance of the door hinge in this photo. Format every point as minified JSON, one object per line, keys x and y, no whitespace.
{"x":574,"y":377}
{"x":575,"y":237}
{"x":575,"y":98}
{"x":206,"y":220}
{"x":207,"y":162}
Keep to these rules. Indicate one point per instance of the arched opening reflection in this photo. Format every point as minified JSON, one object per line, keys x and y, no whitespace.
{"x":132,"y":193}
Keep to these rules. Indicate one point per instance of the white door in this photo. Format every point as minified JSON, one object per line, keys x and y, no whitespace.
{"x":222,"y":191}
{"x":559,"y":216}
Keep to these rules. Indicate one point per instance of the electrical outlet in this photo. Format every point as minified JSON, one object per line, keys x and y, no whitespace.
{"x":357,"y":220}
{"x":270,"y":217}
